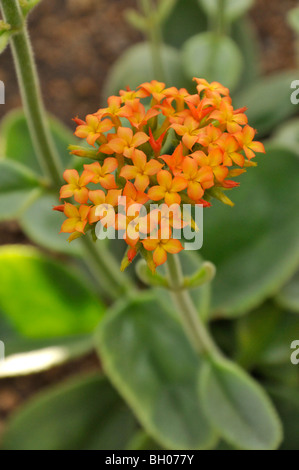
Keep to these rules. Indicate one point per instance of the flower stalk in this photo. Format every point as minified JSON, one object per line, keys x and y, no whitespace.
{"x":104,"y":267}
{"x":155,"y":39}
{"x":31,"y":92}
{"x":194,"y":327}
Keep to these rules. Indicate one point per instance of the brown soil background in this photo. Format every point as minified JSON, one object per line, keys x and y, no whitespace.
{"x":75,"y":43}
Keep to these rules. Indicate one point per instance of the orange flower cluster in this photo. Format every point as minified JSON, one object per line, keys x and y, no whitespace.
{"x":174,"y":148}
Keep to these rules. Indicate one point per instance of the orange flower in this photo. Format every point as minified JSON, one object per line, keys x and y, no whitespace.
{"x":214,"y":160}
{"x":189,"y":131}
{"x":141,"y":170}
{"x":198,"y":179}
{"x":133,"y":226}
{"x":93,"y":129}
{"x":231,"y":150}
{"x":168,"y":188}
{"x":154,"y":88}
{"x":175,"y":160}
{"x":156,"y":144}
{"x":125,"y":142}
{"x":229,"y":118}
{"x":209,"y":137}
{"x":135,"y":112}
{"x":113,"y":109}
{"x":77,"y":218}
{"x":99,"y":198}
{"x":210,"y":88}
{"x":76,"y":187}
{"x":132,"y":196}
{"x":245,"y":139}
{"x":130,"y":95}
{"x":161,"y":247}
{"x":213,"y":144}
{"x":102,"y":173}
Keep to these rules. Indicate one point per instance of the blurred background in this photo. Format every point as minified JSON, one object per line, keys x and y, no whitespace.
{"x":76,"y":42}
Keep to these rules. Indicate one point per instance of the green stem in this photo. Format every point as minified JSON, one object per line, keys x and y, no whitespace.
{"x":30,"y":91}
{"x":102,"y":263}
{"x":114,"y":282}
{"x":154,"y":35}
{"x":195,"y":328}
{"x":221,"y":23}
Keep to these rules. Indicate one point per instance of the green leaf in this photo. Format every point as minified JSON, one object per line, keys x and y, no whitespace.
{"x":142,"y":441}
{"x":41,"y":355}
{"x":25,"y":356}
{"x":293,"y":19}
{"x":135,"y":19}
{"x":21,"y":149}
{"x":213,"y":57}
{"x":18,"y":186}
{"x":42,"y":298}
{"x":255,"y":245}
{"x":174,"y":31}
{"x":150,"y":361}
{"x":135,"y":67}
{"x":274,"y":93}
{"x":278,"y":350}
{"x":204,"y":275}
{"x":233,"y":9}
{"x":238,"y":407}
{"x":244,"y":34}
{"x":42,"y":225}
{"x":165,"y":9}
{"x":85,"y":414}
{"x":288,"y":135}
{"x":4,"y":40}
{"x":256,"y":332}
{"x":147,"y":277}
{"x":287,"y":403}
{"x":28,"y":5}
{"x":288,"y":297}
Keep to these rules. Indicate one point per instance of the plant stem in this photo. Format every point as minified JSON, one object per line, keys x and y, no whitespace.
{"x":102,"y":263}
{"x":155,"y":39}
{"x":114,"y":282}
{"x":193,"y":325}
{"x":221,"y":23}
{"x":30,"y":91}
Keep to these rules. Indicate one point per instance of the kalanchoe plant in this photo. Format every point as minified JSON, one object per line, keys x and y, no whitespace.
{"x":211,"y":142}
{"x":166,"y":376}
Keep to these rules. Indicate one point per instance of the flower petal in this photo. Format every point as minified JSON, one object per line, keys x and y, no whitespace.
{"x":152,"y":167}
{"x":139,"y":139}
{"x":71,"y":176}
{"x":81,"y":195}
{"x":150,"y":244}
{"x":160,"y":256}
{"x":110,"y":164}
{"x":97,"y":197}
{"x":156,"y":193}
{"x":128,"y":172}
{"x":71,"y":211}
{"x":66,"y":191}
{"x":173,"y":246}
{"x":195,"y":190}
{"x":179,"y":184}
{"x":141,"y":182}
{"x":172,"y":198}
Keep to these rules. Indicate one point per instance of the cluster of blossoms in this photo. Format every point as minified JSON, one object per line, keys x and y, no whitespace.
{"x":175,"y":148}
